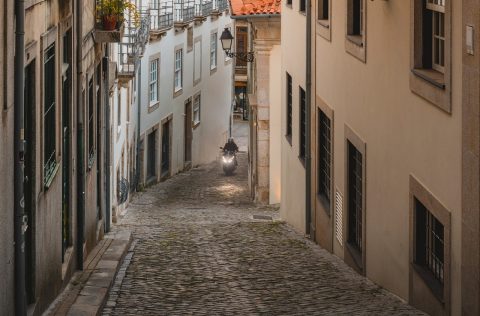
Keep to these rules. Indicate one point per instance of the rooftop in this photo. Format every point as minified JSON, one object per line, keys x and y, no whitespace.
{"x":255,"y":7}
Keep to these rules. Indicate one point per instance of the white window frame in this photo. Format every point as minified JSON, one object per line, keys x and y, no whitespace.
{"x":196,"y":109}
{"x":213,"y":50}
{"x":178,"y":77}
{"x":153,"y":82}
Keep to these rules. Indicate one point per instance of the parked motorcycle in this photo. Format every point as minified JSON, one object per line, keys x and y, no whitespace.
{"x":229,"y":161}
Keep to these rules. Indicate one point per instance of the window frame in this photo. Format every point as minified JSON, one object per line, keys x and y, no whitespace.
{"x":289,"y":108}
{"x":302,"y":126}
{"x":50,"y":165}
{"x":196,"y":109}
{"x":429,"y":81}
{"x":155,"y":59}
{"x":178,"y":71}
{"x":429,"y":296}
{"x":324,"y":25}
{"x":324,"y":158}
{"x":213,"y":51}
{"x":356,"y":35}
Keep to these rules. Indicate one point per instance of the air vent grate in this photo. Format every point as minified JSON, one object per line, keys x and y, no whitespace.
{"x":339,"y":217}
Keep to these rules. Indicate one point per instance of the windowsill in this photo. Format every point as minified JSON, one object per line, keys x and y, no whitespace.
{"x":326,"y":204}
{"x":289,"y":139}
{"x":48,"y":182}
{"x":153,"y":106}
{"x":119,"y":129}
{"x":432,"y":76}
{"x":177,"y":92}
{"x":324,"y":23}
{"x":356,"y":39}
{"x":433,"y":284}
{"x":289,"y":5}
{"x":213,"y":70}
{"x":356,"y":255}
{"x":302,"y":12}
{"x":195,"y":124}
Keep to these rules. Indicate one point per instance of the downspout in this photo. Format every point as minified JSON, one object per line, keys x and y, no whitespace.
{"x":139,"y":109}
{"x":308,"y":100}
{"x":108,"y":202}
{"x":80,"y":144}
{"x":19,"y":146}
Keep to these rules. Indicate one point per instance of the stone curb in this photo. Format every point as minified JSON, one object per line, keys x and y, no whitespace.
{"x":94,"y":294}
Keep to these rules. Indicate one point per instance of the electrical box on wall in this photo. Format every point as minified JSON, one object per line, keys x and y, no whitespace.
{"x":469,"y":39}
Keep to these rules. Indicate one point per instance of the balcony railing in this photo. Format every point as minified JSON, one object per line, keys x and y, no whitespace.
{"x":184,"y":14}
{"x":132,"y":46}
{"x":161,"y":19}
{"x":207,"y":8}
{"x":222,"y":5}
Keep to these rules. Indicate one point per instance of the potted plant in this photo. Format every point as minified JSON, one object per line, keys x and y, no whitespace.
{"x":111,"y":12}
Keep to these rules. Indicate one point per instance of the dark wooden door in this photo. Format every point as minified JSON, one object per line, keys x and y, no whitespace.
{"x":188,"y":132}
{"x":166,"y":148}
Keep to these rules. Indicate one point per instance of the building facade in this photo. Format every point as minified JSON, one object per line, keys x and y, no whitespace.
{"x":184,"y":111}
{"x":394,"y":142}
{"x":261,"y":22}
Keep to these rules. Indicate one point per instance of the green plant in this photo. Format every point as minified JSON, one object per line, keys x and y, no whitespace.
{"x":109,"y":8}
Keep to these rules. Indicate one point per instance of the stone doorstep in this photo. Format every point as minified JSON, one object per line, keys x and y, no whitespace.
{"x":94,"y":293}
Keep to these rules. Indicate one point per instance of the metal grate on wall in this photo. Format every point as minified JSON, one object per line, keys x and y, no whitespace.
{"x":339,"y":217}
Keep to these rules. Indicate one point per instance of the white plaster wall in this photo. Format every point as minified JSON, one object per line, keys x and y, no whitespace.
{"x":275,"y":124}
{"x":215,"y":91}
{"x":293,"y":61}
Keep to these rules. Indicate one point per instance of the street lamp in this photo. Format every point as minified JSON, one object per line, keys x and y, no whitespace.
{"x":227,"y":39}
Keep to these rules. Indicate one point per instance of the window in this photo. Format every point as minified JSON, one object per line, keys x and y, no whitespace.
{"x":119,"y":112}
{"x":355,"y":17}
{"x":213,"y":51}
{"x":241,"y":45}
{"x":355,"y":197}
{"x":289,"y":2}
{"x":324,"y":157}
{"x":303,"y":125}
{"x":323,"y":9}
{"x":302,"y":5}
{"x":429,"y":242}
{"x":430,"y":43}
{"x":178,"y":69}
{"x":289,"y":109}
{"x":49,"y":115}
{"x":91,"y":122}
{"x":196,"y":109}
{"x":153,"y":82}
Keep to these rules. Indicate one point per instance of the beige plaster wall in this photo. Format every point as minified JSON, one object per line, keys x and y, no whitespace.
{"x":404,"y":134}
{"x":275,"y":123}
{"x":292,"y":170}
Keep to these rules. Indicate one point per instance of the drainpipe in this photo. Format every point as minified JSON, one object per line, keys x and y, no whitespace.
{"x":139,"y":109}
{"x":19,"y":208}
{"x":80,"y":144}
{"x":108,"y":202}
{"x":308,"y":100}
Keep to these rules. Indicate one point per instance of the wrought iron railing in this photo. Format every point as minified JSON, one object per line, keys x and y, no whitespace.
{"x":207,"y":7}
{"x":222,"y":5}
{"x":184,"y":14}
{"x":161,"y":18}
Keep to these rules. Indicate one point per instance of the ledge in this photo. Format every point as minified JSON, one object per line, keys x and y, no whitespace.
{"x":432,"y":76}
{"x":102,"y":36}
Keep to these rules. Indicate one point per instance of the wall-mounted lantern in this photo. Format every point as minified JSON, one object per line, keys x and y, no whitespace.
{"x":227,"y":40}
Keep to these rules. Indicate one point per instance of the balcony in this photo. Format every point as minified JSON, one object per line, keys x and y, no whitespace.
{"x":109,"y":20}
{"x":132,"y":46}
{"x":183,"y":16}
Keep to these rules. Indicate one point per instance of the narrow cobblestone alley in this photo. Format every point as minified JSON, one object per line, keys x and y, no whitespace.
{"x":202,"y":248}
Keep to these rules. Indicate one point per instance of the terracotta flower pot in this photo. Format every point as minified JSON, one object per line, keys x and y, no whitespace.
{"x":109,"y":22}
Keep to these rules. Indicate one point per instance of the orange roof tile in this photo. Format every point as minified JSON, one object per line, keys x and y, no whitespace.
{"x":254,"y":7}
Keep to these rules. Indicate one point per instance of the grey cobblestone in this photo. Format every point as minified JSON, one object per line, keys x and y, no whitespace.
{"x":199,"y":251}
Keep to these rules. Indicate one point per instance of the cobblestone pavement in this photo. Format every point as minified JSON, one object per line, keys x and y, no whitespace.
{"x":201,"y":249}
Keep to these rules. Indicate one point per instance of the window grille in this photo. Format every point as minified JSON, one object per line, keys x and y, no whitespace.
{"x":91,"y":121}
{"x":355,"y":196}
{"x":303,"y":124}
{"x":49,"y":114}
{"x":339,"y":217}
{"x":289,"y":106}
{"x":324,"y":156}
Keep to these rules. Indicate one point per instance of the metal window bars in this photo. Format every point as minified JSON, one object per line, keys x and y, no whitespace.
{"x":222,"y":5}
{"x":132,"y":45}
{"x":161,"y":15}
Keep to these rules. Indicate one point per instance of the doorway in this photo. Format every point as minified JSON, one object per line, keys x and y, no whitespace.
{"x":151,"y":156}
{"x":165,"y":171}
{"x":188,"y":135}
{"x":29,"y":183}
{"x":99,"y":144}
